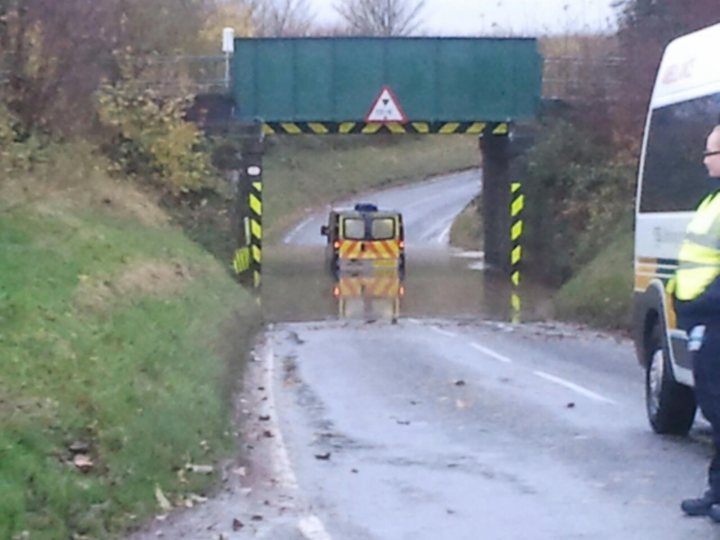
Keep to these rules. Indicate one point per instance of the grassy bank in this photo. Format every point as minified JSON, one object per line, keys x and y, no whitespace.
{"x":467,"y":229}
{"x":114,"y":366}
{"x":601,"y":293}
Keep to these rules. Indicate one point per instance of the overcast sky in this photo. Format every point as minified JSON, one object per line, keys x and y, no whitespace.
{"x":524,"y":17}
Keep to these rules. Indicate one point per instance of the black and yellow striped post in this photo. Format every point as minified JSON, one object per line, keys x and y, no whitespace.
{"x":517,"y":203}
{"x":248,"y":257}
{"x":256,"y":233}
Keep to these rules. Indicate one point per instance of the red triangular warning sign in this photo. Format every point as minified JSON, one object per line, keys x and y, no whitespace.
{"x":386,"y":108}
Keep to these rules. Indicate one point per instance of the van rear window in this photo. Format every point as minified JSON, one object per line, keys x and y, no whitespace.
{"x":674,"y":177}
{"x":382,"y":229}
{"x":354,"y":228}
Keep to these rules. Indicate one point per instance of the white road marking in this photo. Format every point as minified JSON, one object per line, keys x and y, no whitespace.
{"x":291,"y":235}
{"x":444,"y":237}
{"x":309,"y":526}
{"x":470,"y":254}
{"x":574,"y":387}
{"x":443,"y":332}
{"x":438,"y":233}
{"x":491,"y":353}
{"x":312,"y":528}
{"x":286,"y":476}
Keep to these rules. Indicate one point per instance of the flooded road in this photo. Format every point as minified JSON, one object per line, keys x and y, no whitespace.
{"x":440,"y":281}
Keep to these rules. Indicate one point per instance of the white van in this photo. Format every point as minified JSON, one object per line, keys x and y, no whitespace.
{"x":684,"y":107}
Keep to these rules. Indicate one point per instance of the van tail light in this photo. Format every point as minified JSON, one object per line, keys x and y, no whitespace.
{"x":402,"y":244}
{"x":336,"y":292}
{"x":336,"y":244}
{"x":402,"y":291}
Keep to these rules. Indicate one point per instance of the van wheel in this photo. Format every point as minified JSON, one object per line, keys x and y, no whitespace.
{"x":670,"y":405}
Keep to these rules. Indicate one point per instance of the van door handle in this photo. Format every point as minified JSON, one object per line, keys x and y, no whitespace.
{"x":362,"y":246}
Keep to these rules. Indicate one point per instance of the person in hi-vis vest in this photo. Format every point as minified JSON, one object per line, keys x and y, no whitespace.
{"x":696,"y":297}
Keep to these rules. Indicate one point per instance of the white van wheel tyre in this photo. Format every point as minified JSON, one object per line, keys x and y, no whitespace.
{"x":670,"y":405}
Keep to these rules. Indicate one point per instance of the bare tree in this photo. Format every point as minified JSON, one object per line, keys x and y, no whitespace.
{"x":54,"y":54}
{"x":645,"y":28}
{"x":381,"y":17}
{"x":281,"y":17}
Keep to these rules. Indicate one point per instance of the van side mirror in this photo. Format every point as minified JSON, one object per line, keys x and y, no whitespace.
{"x":324,"y":230}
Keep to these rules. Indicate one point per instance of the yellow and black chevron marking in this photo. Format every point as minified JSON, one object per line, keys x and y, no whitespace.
{"x":241,"y":261}
{"x":359,"y":128}
{"x":516,"y":229}
{"x":369,"y":249}
{"x":255,"y":203}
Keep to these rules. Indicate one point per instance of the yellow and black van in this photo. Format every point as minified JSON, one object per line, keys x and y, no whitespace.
{"x":365,"y":238}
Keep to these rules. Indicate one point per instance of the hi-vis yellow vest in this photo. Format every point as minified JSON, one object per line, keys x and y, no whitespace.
{"x":699,"y":258}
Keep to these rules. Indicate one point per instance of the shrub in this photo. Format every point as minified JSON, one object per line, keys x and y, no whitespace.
{"x":19,"y":150}
{"x":578,"y":190}
{"x":148,"y":136}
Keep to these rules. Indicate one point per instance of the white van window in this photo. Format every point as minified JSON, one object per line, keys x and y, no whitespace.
{"x":382,"y":229}
{"x":354,"y":228}
{"x":674,"y":177}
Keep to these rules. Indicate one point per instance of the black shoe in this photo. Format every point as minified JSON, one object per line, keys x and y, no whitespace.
{"x":714,"y":513}
{"x":700,"y":506}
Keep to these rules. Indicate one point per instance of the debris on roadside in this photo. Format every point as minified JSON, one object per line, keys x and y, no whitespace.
{"x":162,"y":499}
{"x":83,"y":463}
{"x":201,"y":469}
{"x":79,"y":447}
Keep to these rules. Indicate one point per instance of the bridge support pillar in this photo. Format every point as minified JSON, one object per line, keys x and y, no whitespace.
{"x":248,"y":210}
{"x":496,"y":200}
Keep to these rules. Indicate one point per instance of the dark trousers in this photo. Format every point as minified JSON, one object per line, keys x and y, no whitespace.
{"x":706,"y":370}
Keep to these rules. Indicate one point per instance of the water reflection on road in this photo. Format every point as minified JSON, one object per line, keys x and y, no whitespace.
{"x":298,"y":287}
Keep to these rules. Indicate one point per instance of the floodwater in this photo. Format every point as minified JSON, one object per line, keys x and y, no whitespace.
{"x":297,"y":286}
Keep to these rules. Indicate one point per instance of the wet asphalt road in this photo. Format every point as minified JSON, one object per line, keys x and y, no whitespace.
{"x":428,"y":209}
{"x":468,"y":430}
{"x":446,"y":424}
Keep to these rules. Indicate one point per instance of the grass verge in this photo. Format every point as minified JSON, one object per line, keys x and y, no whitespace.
{"x":601,"y":293}
{"x":467,"y":229}
{"x":112,"y":377}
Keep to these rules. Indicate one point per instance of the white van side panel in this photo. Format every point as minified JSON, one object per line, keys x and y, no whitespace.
{"x":659,"y":235}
